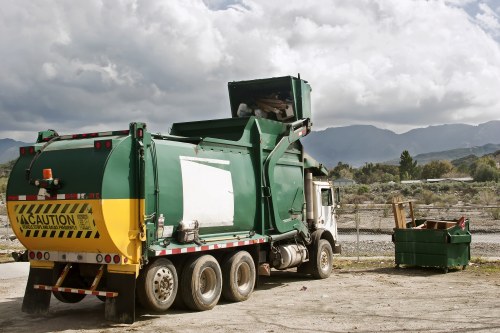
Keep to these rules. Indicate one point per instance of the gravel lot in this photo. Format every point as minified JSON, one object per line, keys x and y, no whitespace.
{"x":378,"y":298}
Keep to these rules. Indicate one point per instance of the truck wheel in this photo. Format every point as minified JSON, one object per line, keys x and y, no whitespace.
{"x":72,"y":280}
{"x":157,"y":285}
{"x":323,"y":260}
{"x":238,"y":275}
{"x":68,"y":297}
{"x":202,"y":283}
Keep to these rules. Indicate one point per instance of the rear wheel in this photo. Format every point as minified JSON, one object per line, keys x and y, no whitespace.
{"x":238,"y":274}
{"x":202,"y":283}
{"x":323,"y":260}
{"x":72,"y":280}
{"x":157,"y":285}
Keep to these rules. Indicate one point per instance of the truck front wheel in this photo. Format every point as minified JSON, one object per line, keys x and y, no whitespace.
{"x":238,"y":277}
{"x":157,"y":285}
{"x":201,"y":284}
{"x":322,"y":262}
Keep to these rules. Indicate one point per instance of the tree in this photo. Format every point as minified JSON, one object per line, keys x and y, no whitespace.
{"x":407,"y":167}
{"x":436,"y":169}
{"x":341,"y":170}
{"x":485,"y":172}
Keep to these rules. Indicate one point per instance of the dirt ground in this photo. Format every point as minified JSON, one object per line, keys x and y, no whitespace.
{"x":358,"y":297}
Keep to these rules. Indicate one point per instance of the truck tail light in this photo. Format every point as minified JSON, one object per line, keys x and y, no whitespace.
{"x":30,"y":150}
{"x":39,"y":255}
{"x":103,"y":144}
{"x":107,"y":258}
{"x":116,"y":259}
{"x":32,"y":255}
{"x":140,"y":133}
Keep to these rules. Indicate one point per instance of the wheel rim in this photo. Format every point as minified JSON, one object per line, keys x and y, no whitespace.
{"x":243,"y":277}
{"x":324,"y":261}
{"x":208,"y":283}
{"x":163,"y":284}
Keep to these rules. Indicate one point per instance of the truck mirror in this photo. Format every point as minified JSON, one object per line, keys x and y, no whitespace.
{"x":337,"y":195}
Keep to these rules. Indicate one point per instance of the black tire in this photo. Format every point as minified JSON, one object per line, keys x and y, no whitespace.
{"x":201,"y":284}
{"x":68,"y":297}
{"x":179,"y":302}
{"x":238,"y":276}
{"x":72,"y":280}
{"x":157,"y":285}
{"x":322,"y":261}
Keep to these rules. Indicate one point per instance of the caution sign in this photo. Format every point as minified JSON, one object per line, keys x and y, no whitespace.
{"x":61,"y":220}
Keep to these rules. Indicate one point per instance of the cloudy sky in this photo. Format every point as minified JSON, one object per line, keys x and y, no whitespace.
{"x":78,"y":66}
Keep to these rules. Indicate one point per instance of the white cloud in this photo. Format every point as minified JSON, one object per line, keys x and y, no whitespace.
{"x":397,"y":64}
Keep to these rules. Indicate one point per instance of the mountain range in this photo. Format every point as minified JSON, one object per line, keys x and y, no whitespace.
{"x":358,"y":144}
{"x":9,"y":149}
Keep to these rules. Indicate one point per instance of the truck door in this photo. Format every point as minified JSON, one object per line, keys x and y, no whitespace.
{"x":325,"y":208}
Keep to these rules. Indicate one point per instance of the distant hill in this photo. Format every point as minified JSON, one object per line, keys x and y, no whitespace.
{"x":469,"y":159}
{"x":358,"y":144}
{"x":453,"y":154}
{"x":9,"y":149}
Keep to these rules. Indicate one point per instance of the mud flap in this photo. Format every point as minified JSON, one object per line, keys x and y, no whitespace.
{"x":37,"y":301}
{"x":121,"y":309}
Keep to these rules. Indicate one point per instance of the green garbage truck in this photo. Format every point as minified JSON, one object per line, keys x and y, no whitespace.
{"x":175,"y":219}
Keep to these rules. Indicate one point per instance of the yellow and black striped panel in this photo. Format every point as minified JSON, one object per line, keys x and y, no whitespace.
{"x":56,"y":220}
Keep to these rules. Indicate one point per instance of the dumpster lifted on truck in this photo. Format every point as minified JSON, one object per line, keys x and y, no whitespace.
{"x":184,"y":217}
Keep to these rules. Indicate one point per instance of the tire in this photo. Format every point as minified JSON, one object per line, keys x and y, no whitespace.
{"x":323,"y":260}
{"x":179,"y":302}
{"x":68,"y":297}
{"x":201,"y":284}
{"x":238,"y":277}
{"x":157,"y":285}
{"x":72,"y":280}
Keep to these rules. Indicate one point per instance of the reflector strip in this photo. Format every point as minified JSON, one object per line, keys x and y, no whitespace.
{"x":210,"y":247}
{"x":68,"y":196}
{"x":76,"y":291}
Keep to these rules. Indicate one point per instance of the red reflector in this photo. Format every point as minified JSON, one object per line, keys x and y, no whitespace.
{"x":116,"y":259}
{"x":32,"y":255}
{"x":108,"y":144}
{"x":140,"y":133}
{"x":107,"y":258}
{"x":125,"y":260}
{"x":94,"y":134}
{"x":75,"y":136}
{"x":97,"y":145}
{"x":39,"y":255}
{"x":22,"y":150}
{"x":32,"y":150}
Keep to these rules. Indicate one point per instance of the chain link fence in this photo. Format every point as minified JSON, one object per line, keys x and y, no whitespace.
{"x":366,"y":230}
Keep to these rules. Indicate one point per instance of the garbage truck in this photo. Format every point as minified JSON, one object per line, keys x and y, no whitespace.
{"x":175,"y":219}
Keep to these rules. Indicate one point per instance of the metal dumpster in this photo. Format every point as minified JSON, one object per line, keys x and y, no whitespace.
{"x":437,"y":243}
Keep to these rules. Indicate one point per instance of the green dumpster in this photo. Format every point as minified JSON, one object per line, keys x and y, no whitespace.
{"x":433,"y":243}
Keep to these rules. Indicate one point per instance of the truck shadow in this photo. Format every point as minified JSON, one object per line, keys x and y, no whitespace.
{"x":404,"y":271}
{"x":85,"y":315}
{"x":280,"y":278}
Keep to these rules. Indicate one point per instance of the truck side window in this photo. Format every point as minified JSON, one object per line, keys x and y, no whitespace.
{"x":326,"y":197}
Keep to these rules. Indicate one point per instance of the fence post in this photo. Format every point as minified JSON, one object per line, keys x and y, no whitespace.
{"x":356,"y":219}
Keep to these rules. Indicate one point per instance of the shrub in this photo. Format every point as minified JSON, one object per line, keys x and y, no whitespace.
{"x":486,"y":197}
{"x":495,"y":213}
{"x":428,"y":197}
